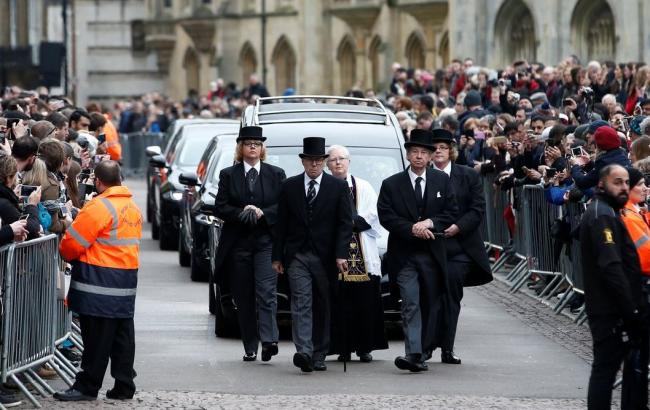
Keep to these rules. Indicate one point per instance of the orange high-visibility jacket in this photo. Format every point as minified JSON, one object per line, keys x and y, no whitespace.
{"x":113,"y":146}
{"x":639,"y":230}
{"x":103,"y":245}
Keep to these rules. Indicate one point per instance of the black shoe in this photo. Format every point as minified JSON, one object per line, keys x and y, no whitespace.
{"x":73,"y":395}
{"x":269,"y":350}
{"x":344,"y":357}
{"x":448,"y":356}
{"x":427,"y":355}
{"x":303,"y":361}
{"x":118,"y":395}
{"x":10,"y":400}
{"x":365,"y":357}
{"x":411,"y":363}
{"x":320,"y":366}
{"x":250,"y":357}
{"x":70,"y":354}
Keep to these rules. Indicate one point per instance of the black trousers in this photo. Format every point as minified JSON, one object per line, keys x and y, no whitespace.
{"x":610,"y":351}
{"x":254,"y":287}
{"x":106,"y":338}
{"x":450,"y":310}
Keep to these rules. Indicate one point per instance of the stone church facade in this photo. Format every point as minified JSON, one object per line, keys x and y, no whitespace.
{"x":329,"y":46}
{"x":121,"y":48}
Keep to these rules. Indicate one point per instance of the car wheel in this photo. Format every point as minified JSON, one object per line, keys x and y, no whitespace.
{"x":212,"y":303}
{"x":149,"y":210}
{"x":184,"y":257}
{"x":198,"y":271}
{"x":155,"y":229}
{"x":168,"y":239}
{"x":222,"y":326}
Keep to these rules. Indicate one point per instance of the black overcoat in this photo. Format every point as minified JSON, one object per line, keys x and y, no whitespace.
{"x":398,"y":213}
{"x":470,"y":197}
{"x":231,"y":200}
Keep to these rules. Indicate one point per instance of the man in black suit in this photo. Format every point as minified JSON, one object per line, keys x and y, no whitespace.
{"x":247,"y":201}
{"x":467,"y":261}
{"x":311,"y":240}
{"x":415,"y":205}
{"x":615,"y":301}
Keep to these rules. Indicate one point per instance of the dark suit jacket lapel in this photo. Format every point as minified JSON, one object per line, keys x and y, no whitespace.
{"x":408,"y":194}
{"x":300,"y":197}
{"x":323,"y":190}
{"x":238,"y":180}
{"x":266,"y":182}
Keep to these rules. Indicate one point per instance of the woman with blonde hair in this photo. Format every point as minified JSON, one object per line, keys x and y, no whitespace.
{"x":640,"y":149}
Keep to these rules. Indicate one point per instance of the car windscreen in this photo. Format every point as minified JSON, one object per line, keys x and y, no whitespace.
{"x":372,"y":164}
{"x":192,"y":149}
{"x":226,"y":159}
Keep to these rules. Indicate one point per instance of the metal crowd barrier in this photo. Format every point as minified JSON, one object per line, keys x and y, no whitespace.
{"x":134,"y":160}
{"x":29,"y":271}
{"x":530,"y":249}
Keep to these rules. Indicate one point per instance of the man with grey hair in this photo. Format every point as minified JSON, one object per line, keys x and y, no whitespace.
{"x":357,"y":315}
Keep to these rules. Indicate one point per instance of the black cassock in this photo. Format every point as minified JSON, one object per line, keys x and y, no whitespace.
{"x":357,"y":311}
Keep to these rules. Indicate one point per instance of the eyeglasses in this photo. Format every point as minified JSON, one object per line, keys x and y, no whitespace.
{"x":441,"y":148}
{"x":251,"y":144}
{"x":336,"y":159}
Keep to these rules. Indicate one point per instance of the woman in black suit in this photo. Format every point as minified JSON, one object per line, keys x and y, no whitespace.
{"x":467,"y":261}
{"x":247,"y":203}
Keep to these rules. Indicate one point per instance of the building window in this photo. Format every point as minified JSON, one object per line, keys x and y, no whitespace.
{"x":515,"y":33}
{"x":347,"y":64}
{"x":415,"y":51}
{"x":593,"y":30}
{"x":284,"y":64}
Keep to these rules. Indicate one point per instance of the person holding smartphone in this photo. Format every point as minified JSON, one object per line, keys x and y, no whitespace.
{"x":10,"y":208}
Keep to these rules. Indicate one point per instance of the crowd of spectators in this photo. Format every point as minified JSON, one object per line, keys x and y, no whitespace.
{"x":530,"y":124}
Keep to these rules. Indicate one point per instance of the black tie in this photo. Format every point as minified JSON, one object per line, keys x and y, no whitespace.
{"x":311,"y":192}
{"x":419,"y":199}
{"x":251,"y":177}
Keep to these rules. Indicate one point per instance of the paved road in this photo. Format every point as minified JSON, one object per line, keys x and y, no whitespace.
{"x":180,"y":363}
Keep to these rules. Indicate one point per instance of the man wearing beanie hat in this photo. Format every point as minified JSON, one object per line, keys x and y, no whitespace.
{"x":609,"y":152}
{"x":474,"y":105}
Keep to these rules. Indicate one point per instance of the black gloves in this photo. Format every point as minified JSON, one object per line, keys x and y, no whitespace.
{"x":248,"y":217}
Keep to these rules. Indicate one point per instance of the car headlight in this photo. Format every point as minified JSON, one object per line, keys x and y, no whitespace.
{"x":177,"y":196}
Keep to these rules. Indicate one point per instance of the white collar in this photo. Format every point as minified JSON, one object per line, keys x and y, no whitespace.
{"x":446,"y":169}
{"x":414,"y":176}
{"x":349,"y":179}
{"x":317,"y":179}
{"x":247,"y":167}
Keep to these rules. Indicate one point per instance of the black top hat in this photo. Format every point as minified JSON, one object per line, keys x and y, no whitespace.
{"x":313,"y":147}
{"x":420,"y":138}
{"x":442,"y":135}
{"x":250,"y":133}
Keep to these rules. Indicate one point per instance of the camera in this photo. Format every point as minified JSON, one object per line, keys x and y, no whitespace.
{"x":505,"y":82}
{"x":516,"y":97}
{"x":550,"y":172}
{"x":587,"y":92}
{"x":26,"y":190}
{"x":83,"y":142}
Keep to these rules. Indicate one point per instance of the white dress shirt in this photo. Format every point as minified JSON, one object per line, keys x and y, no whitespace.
{"x":446,"y":169}
{"x":423,"y":183}
{"x":247,"y":167}
{"x":316,"y":187}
